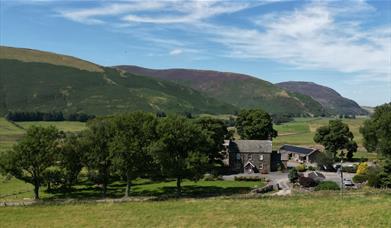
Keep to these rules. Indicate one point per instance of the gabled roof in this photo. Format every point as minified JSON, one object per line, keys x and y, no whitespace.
{"x":250,"y":146}
{"x":249,"y":163}
{"x":298,"y":150}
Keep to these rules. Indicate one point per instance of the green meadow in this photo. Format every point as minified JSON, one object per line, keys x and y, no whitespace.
{"x":295,"y":211}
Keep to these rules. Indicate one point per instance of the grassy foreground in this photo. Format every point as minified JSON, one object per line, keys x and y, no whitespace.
{"x":299,"y":211}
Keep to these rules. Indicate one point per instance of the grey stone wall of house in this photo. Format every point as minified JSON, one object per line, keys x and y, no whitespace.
{"x":258,"y":152}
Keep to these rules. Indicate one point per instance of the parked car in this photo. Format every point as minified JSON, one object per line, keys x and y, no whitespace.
{"x":348,"y":183}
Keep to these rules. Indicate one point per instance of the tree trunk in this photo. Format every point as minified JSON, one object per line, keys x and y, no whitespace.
{"x":178,"y":187}
{"x":36,"y":191}
{"x":128,"y":183}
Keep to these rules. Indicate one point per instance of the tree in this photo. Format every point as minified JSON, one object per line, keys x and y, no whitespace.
{"x":97,"y":139}
{"x":377,"y":134}
{"x":70,"y":159}
{"x":218,"y":133}
{"x":335,"y":138}
{"x":33,"y":155}
{"x":377,"y":131}
{"x":129,"y":148}
{"x":255,"y":124}
{"x":182,"y":149}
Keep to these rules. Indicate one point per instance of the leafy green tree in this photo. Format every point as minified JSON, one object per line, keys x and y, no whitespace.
{"x":218,"y":133}
{"x":377,"y":131}
{"x":33,"y":155}
{"x":129,"y":148}
{"x":70,"y":159}
{"x":255,"y":124}
{"x":182,"y":149}
{"x":336,"y":137}
{"x":97,"y":139}
{"x":377,"y":134}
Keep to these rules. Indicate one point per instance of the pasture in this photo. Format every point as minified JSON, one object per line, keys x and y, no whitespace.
{"x":296,"y":211}
{"x":10,"y":132}
{"x":17,"y":190}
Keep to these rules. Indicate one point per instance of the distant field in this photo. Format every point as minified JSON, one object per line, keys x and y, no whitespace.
{"x":296,"y":211}
{"x":11,"y":132}
{"x":302,"y":130}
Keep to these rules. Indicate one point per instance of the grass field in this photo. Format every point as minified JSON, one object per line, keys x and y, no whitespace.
{"x":296,"y":211}
{"x":302,"y":130}
{"x":16,"y":190}
{"x":11,"y":132}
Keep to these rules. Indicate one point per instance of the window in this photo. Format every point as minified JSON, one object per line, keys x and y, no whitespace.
{"x":261,"y":157}
{"x":261,"y":166}
{"x":250,"y":157}
{"x":237,"y":156}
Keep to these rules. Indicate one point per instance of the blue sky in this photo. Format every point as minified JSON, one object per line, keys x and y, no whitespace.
{"x":345,"y":45}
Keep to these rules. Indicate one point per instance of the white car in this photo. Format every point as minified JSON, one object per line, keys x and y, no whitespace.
{"x":348,"y":183}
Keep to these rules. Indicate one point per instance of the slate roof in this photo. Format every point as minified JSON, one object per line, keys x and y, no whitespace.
{"x":297,"y":149}
{"x":250,"y":146}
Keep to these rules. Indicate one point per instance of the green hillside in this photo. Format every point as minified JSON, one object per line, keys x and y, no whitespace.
{"x":50,"y":85}
{"x":30,"y":55}
{"x":240,"y":90}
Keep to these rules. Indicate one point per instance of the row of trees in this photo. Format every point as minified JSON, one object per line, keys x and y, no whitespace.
{"x":47,"y":116}
{"x":127,"y":146}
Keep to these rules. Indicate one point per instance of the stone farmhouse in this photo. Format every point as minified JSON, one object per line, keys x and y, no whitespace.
{"x":249,"y":156}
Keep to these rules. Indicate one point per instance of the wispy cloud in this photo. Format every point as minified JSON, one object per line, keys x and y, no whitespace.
{"x":176,"y":51}
{"x":313,"y":37}
{"x":165,"y":12}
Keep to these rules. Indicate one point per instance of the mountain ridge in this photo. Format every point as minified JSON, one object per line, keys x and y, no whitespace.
{"x":329,"y":98}
{"x":240,"y":90}
{"x":51,"y":85}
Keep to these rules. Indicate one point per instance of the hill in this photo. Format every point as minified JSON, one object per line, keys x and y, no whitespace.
{"x":239,"y":90}
{"x":330,"y":99}
{"x":34,"y":80}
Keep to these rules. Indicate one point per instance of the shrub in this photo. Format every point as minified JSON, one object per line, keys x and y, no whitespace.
{"x":307,"y":182}
{"x":301,"y":168}
{"x":360,"y":178}
{"x":293,"y":175}
{"x":362,"y":168}
{"x":327,"y":185}
{"x":311,"y":168}
{"x":249,"y":178}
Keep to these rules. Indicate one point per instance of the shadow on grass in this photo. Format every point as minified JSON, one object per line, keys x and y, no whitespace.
{"x":88,"y":191}
{"x":192,"y":191}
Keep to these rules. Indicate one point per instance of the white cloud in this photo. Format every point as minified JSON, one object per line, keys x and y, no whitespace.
{"x":165,"y":12}
{"x":319,"y":35}
{"x":176,"y":51}
{"x":313,"y":37}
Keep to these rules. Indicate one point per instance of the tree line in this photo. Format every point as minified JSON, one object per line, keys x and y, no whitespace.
{"x":47,"y":116}
{"x":126,"y":147}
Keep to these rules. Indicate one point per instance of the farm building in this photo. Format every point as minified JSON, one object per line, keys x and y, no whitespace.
{"x":249,"y":156}
{"x":298,"y":154}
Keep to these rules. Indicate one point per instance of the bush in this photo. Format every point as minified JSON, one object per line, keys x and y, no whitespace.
{"x":301,"y":168}
{"x":327,"y":185}
{"x":249,"y":178}
{"x":360,"y":178}
{"x":311,"y":168}
{"x":210,"y":177}
{"x":293,"y":175}
{"x":362,"y":168}
{"x":307,"y":182}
